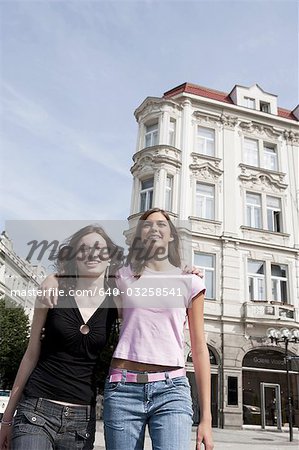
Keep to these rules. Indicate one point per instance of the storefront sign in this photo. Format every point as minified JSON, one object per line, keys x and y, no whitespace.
{"x":268,"y":359}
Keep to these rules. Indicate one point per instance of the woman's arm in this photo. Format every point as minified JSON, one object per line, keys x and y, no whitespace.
{"x":201,"y":362}
{"x":49,"y":287}
{"x":29,"y":360}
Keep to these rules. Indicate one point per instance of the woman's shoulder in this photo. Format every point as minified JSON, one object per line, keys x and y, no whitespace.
{"x":198,"y":284}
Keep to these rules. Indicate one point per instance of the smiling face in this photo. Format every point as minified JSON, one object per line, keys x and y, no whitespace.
{"x":92,"y":256}
{"x":155,"y":236}
{"x":156,"y":232}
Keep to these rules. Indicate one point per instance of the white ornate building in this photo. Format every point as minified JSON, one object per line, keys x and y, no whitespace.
{"x":18,"y":278}
{"x":229,"y":164}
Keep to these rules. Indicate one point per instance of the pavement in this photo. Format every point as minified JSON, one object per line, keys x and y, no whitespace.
{"x":229,"y":439}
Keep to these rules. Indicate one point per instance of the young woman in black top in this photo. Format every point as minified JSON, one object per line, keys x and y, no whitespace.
{"x":55,"y":391}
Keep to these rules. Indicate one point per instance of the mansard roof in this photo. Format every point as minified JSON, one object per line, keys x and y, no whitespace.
{"x":220,"y":96}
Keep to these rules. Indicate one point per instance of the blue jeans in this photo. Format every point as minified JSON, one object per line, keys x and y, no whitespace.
{"x":43,"y":425}
{"x":165,"y":406}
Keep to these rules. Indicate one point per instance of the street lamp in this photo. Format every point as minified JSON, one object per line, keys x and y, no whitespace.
{"x":286,"y":336}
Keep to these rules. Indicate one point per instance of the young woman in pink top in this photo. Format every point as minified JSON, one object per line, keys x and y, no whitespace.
{"x":147,"y":383}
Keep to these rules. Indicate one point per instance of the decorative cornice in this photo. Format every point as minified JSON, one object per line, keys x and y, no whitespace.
{"x":229,"y":121}
{"x":291,"y":137}
{"x":206,"y":116}
{"x":153,"y":158}
{"x":199,"y":158}
{"x":226,"y":120}
{"x":258,"y":178}
{"x":205,"y":171}
{"x":154,"y":105}
{"x":260,"y":130}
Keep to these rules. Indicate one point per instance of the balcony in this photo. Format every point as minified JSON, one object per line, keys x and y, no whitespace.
{"x":205,"y":226}
{"x":151,"y":158}
{"x":269,"y":312}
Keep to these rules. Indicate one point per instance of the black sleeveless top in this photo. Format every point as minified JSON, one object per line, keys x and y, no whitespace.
{"x":66,"y":367}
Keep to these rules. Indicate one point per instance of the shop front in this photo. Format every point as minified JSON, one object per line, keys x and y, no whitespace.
{"x":265,"y":389}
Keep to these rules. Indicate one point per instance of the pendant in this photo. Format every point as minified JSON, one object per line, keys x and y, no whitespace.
{"x":84,"y":329}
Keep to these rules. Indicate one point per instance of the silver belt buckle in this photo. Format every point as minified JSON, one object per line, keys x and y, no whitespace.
{"x":142,"y":378}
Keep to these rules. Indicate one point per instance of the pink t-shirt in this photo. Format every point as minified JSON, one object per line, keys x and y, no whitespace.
{"x":154,"y":315}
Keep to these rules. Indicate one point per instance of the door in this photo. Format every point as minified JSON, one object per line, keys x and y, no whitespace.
{"x":214,"y":398}
{"x":270,"y":405}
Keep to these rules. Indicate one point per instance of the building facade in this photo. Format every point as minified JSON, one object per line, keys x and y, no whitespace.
{"x":18,"y":278}
{"x":229,"y":165}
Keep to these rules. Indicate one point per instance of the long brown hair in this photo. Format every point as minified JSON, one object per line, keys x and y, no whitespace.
{"x":137,"y":264}
{"x":66,"y":260}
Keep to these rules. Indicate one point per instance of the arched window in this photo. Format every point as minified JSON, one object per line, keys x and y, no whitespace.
{"x":213,"y":359}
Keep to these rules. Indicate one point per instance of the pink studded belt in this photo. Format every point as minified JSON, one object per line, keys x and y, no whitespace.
{"x":117,"y":375}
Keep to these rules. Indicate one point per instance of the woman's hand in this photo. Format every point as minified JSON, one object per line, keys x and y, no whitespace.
{"x":5,"y":436}
{"x":194,"y":270}
{"x":204,"y":436}
{"x":49,"y":287}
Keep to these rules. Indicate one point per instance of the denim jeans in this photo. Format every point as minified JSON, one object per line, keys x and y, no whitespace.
{"x":165,"y":406}
{"x":43,"y":425}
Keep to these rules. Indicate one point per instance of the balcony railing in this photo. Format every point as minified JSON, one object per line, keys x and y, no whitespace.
{"x":270,"y":311}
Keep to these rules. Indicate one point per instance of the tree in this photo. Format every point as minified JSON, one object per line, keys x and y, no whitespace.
{"x":14,"y":334}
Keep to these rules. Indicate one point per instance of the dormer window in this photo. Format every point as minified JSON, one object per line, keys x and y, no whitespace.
{"x":249,"y":102}
{"x":254,"y":98}
{"x":265,"y":107}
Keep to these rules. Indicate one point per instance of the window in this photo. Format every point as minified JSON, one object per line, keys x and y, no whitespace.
{"x":263,"y":211}
{"x":168,"y":193}
{"x":251,"y":152}
{"x":249,"y":102}
{"x":253,"y":210}
{"x":232,"y":391}
{"x":206,"y":263}
{"x":171,"y":134}
{"x":256,"y":271}
{"x":205,"y":141}
{"x":256,"y":280}
{"x":279,"y":283}
{"x":151,"y":135}
{"x":273,"y":214}
{"x":205,"y":201}
{"x":270,"y":157}
{"x":265,"y":107}
{"x":260,"y":154}
{"x":146,"y":194}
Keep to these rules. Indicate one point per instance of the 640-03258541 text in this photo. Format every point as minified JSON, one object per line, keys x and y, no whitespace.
{"x":130,"y":292}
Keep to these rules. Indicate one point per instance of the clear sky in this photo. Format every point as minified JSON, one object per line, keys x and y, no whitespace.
{"x":73,"y":72}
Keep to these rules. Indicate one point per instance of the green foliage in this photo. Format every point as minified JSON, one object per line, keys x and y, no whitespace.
{"x":14,"y":334}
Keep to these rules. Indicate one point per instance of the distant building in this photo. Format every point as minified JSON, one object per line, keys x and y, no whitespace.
{"x":18,"y":278}
{"x":229,"y":163}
